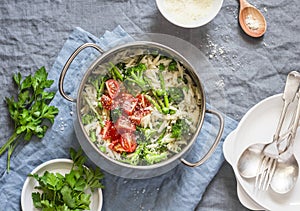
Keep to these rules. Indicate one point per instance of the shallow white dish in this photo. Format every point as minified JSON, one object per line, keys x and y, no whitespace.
{"x":259,"y":125}
{"x":189,"y":13}
{"x":244,"y":198}
{"x":62,"y":166}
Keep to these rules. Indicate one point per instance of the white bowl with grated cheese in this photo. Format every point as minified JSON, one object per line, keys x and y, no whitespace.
{"x":189,"y":13}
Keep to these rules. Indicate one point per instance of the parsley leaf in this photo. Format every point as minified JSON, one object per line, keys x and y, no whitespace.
{"x":30,"y":111}
{"x":68,"y":192}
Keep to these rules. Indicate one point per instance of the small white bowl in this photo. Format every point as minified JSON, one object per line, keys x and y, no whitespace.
{"x":62,"y":166}
{"x":189,"y":13}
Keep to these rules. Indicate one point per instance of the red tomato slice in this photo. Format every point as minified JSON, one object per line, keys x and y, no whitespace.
{"x":142,"y":101}
{"x":106,"y":102}
{"x":128,"y":142}
{"x":109,"y":131}
{"x":139,"y":113}
{"x":113,"y":88}
{"x":116,"y":145}
{"x":114,"y":133}
{"x":129,"y":105}
{"x":124,"y":125}
{"x":137,"y":116}
{"x":105,"y":132}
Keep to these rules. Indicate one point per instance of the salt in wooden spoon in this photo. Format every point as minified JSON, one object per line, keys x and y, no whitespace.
{"x":251,"y":20}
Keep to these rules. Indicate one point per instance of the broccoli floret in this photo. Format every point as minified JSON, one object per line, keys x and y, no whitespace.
{"x":145,"y":154}
{"x":176,"y":94}
{"x":152,"y":157}
{"x":135,"y":157}
{"x":172,"y":66}
{"x":87,"y":119}
{"x":102,"y":149}
{"x":135,"y":76}
{"x":93,"y":136}
{"x":180,"y":128}
{"x":145,"y":133}
{"x":161,"y":66}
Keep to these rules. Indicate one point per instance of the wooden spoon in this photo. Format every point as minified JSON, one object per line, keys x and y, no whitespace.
{"x":251,"y":20}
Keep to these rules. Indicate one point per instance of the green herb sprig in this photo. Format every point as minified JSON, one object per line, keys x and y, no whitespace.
{"x":29,"y":110}
{"x":67,"y":192}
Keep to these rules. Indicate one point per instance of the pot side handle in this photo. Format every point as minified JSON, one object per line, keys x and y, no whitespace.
{"x":213,"y":147}
{"x":67,"y":65}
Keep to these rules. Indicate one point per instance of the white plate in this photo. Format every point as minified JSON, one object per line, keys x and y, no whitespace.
{"x":244,"y":198}
{"x":189,"y":13}
{"x":62,"y":166}
{"x":259,"y":125}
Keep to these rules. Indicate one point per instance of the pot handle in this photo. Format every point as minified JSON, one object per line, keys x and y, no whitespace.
{"x":213,"y":147}
{"x":67,"y":65}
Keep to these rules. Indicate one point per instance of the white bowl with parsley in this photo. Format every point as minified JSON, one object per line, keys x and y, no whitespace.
{"x":62,"y":166}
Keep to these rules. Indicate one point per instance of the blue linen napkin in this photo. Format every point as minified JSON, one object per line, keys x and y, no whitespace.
{"x":179,"y":189}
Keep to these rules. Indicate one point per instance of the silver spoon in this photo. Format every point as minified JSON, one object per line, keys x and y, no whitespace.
{"x":250,"y":159}
{"x":287,"y":169}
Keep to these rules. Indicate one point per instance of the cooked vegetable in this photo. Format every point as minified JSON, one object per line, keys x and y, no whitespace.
{"x":180,"y":128}
{"x":99,"y":83}
{"x":87,"y":119}
{"x":115,"y":73}
{"x":29,"y":110}
{"x":157,"y":106}
{"x":164,"y":93}
{"x":145,"y":134}
{"x":152,"y":116}
{"x":135,"y":76}
{"x":113,"y":88}
{"x":176,"y":94}
{"x":172,"y":66}
{"x":152,"y":157}
{"x":67,"y":192}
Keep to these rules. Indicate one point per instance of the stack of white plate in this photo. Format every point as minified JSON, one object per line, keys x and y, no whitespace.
{"x":258,"y":126}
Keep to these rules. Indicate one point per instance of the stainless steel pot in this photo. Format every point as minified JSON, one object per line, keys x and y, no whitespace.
{"x":116,"y":167}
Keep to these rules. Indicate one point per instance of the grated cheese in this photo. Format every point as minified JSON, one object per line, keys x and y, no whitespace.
{"x":187,"y":11}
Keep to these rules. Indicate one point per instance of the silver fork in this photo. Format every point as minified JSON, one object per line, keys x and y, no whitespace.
{"x":270,"y":153}
{"x":267,"y":167}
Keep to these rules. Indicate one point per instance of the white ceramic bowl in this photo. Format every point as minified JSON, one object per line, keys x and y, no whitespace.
{"x":62,"y":166}
{"x":189,"y":13}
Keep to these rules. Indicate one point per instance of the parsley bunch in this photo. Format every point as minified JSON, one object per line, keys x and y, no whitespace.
{"x":29,"y":110}
{"x":67,"y":192}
